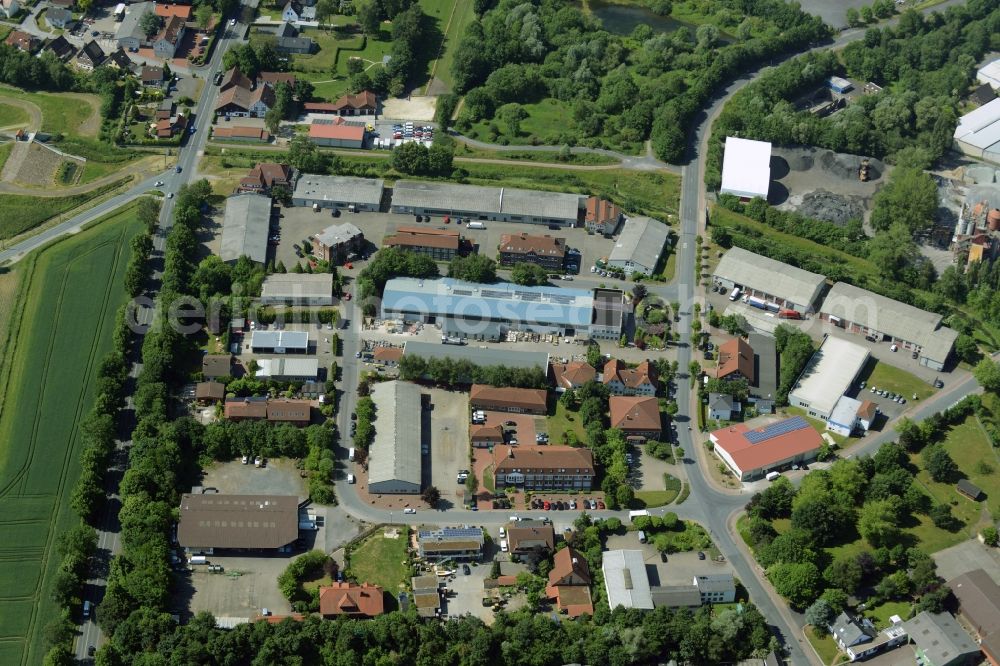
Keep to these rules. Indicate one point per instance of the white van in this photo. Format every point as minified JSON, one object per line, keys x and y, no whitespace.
{"x":735,"y":294}
{"x":771,"y":476}
{"x":198,"y":559}
{"x":350,"y":478}
{"x":503,"y":545}
{"x":350,"y":454}
{"x":642,"y":536}
{"x":475,"y":225}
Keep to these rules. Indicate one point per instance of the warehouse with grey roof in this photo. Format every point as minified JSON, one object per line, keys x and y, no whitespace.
{"x":762,"y":277}
{"x":244,"y":227}
{"x":297,"y":289}
{"x":639,"y":246}
{"x":499,"y":204}
{"x":359,"y":194}
{"x":394,"y":457}
{"x":866,"y":313}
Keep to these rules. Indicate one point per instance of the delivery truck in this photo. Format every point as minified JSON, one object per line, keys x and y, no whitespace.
{"x":789,"y":314}
{"x":755,"y":302}
{"x":771,"y":476}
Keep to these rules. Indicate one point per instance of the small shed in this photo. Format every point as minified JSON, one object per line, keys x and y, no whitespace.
{"x":969,"y":489}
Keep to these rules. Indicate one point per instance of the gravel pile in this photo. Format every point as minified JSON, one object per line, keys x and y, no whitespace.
{"x":835,"y":208}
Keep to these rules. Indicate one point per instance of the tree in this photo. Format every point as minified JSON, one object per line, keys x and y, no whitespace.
{"x":909,"y":198}
{"x":473,"y":268}
{"x":511,"y":116}
{"x":410,"y":158}
{"x":845,"y":572}
{"x":203,"y":14}
{"x":150,"y":24}
{"x":990,"y":535}
{"x":939,"y":463}
{"x":369,"y":16}
{"x":796,"y":581}
{"x":528,"y":274}
{"x":820,"y":614}
{"x":987,"y":373}
{"x":272,"y":119}
{"x":325,"y":9}
{"x":305,"y":156}
{"x":431,"y":495}
{"x":940,"y":514}
{"x":878,"y":521}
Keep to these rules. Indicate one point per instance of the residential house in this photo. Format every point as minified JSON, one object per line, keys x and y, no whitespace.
{"x":848,"y":633}
{"x":335,"y":243}
{"x":214,"y":366}
{"x":165,"y":110}
{"x":351,"y":600}
{"x":571,"y":375}
{"x":265,"y":176}
{"x":450,"y":543}
{"x":151,"y":76}
{"x":166,"y":42}
{"x":246,"y":409}
{"x":723,"y":407}
{"x":60,"y":48}
{"x":209,"y":392}
{"x":736,"y":361}
{"x":484,"y":436}
{"x":552,"y":467}
{"x":426,"y":595}
{"x":440,"y":245}
{"x":65,"y":4}
{"x":165,"y":11}
{"x":294,"y":45}
{"x":623,"y":380}
{"x":296,"y":412}
{"x":569,"y":583}
{"x":292,"y":13}
{"x":389,"y":356}
{"x":503,"y":399}
{"x":940,"y":641}
{"x":234,"y":78}
{"x":9,"y":8}
{"x":120,"y":60}
{"x":57,"y":17}
{"x":364,"y":103}
{"x":21,"y":41}
{"x":246,"y":103}
{"x":531,"y":538}
{"x":859,"y":639}
{"x":638,"y":417}
{"x":541,"y":250}
{"x":286,"y":29}
{"x":90,"y":56}
{"x":601,"y":216}
{"x":167,"y":128}
{"x":274,"y":78}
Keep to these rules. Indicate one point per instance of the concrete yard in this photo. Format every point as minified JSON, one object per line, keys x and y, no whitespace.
{"x":968,"y":556}
{"x":447,"y":430}
{"x":247,"y":585}
{"x":277,"y":477}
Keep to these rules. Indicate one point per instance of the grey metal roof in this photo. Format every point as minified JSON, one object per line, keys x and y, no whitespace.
{"x":244,"y":229}
{"x":847,"y":631}
{"x":769,"y":276}
{"x":641,"y":242}
{"x":479,"y":356}
{"x":338,"y":234}
{"x":342,"y":189}
{"x":625,"y":579}
{"x":395,"y":453}
{"x":494,"y":200}
{"x":901,"y":321}
{"x":129,"y":27}
{"x":297,"y":285}
{"x":287,"y":367}
{"x":723,"y":582}
{"x":940,"y":638}
{"x":676,"y":596}
{"x":275,"y":339}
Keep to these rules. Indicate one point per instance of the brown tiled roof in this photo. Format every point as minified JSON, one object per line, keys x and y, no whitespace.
{"x":979,"y":598}
{"x":216,"y":365}
{"x":20,"y":40}
{"x":545,"y":246}
{"x":241,"y":132}
{"x":482,"y":395}
{"x":351,"y":599}
{"x":417,"y":237}
{"x":288,"y":410}
{"x":209,"y":391}
{"x":274,"y":78}
{"x":736,"y":356}
{"x":634,"y":413}
{"x":574,"y":373}
{"x":234,"y":78}
{"x":867,"y":410}
{"x":601,"y":210}
{"x":278,"y":619}
{"x":529,"y":536}
{"x":244,"y":98}
{"x":630,"y":377}
{"x":266,"y":174}
{"x":364,"y":99}
{"x":573,"y":460}
{"x":245,"y":408}
{"x":167,"y":11}
{"x":238,"y":521}
{"x":152,"y":73}
{"x":567,"y":564}
{"x":485,"y":433}
{"x":171,"y":30}
{"x":388,"y":354}
{"x":336,"y":131}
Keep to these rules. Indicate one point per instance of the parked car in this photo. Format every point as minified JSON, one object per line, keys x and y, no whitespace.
{"x":701,"y":555}
{"x":510,"y":423}
{"x":409,"y":510}
{"x":466,"y":570}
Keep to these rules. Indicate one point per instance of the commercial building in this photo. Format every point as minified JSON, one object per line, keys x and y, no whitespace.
{"x":212,"y":522}
{"x":297,"y":289}
{"x":484,"y":436}
{"x":450,"y":543}
{"x":765,"y":384}
{"x":478,"y":356}
{"x":780,"y":285}
{"x":716,"y":588}
{"x":828,"y":375}
{"x":940,"y":641}
{"x":345,"y":192}
{"x":543,"y":467}
{"x":979,"y":605}
{"x":845,"y":418}
{"x":426,"y":595}
{"x":623,"y":380}
{"x":569,"y":583}
{"x":488,"y":311}
{"x":364,"y":103}
{"x":394,"y":458}
{"x":504,"y":399}
{"x":266,"y":175}
{"x":571,"y":375}
{"x":752,"y":453}
{"x":130,"y":34}
{"x":544,"y":251}
{"x":477,"y":202}
{"x":978,"y":132}
{"x":245,"y":226}
{"x":350,"y":600}
{"x":866,"y":313}
{"x":390,"y":356}
{"x":337,"y":135}
{"x":279,"y":342}
{"x":531,"y":538}
{"x":746,"y":168}
{"x":640,"y":246}
{"x":625,"y":579}
{"x":287,"y":369}
{"x":610,"y":312}
{"x":989,"y":74}
{"x":736,"y":361}
{"x":638,"y":417}
{"x":439,"y":244}
{"x":601,"y":216}
{"x":336,"y":242}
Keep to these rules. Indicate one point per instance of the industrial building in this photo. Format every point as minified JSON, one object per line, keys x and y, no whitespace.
{"x":746,"y":168}
{"x":639,"y":246}
{"x":287,"y":369}
{"x":851,"y":415}
{"x":522,"y":248}
{"x":345,"y":192}
{"x":978,"y":596}
{"x":336,"y":242}
{"x":610,"y":311}
{"x":211,"y":522}
{"x":394,"y":459}
{"x":752,"y":453}
{"x":508,"y":399}
{"x":989,"y":74}
{"x":279,"y":342}
{"x":244,"y":228}
{"x":499,"y":204}
{"x":480,"y":356}
{"x":885,"y":320}
{"x":337,"y":134}
{"x":550,"y":467}
{"x":625,"y":579}
{"x":978,"y":132}
{"x":779,"y":285}
{"x":438,"y":244}
{"x":828,"y":375}
{"x":940,"y":640}
{"x":488,"y":311}
{"x":450,"y":543}
{"x":297,"y":289}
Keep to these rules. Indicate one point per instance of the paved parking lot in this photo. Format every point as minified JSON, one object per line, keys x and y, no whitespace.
{"x":968,"y":556}
{"x":520,"y":427}
{"x":278,"y":477}
{"x":448,"y":434}
{"x":247,"y":585}
{"x":469,"y":597}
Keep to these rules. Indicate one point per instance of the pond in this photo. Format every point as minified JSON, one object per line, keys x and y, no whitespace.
{"x":622,"y":19}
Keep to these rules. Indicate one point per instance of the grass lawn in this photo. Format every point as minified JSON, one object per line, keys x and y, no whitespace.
{"x":65,"y":113}
{"x":383,"y":562}
{"x":5,"y":150}
{"x":971,"y":451}
{"x":67,"y":300}
{"x":564,"y":421}
{"x":453,"y":26}
{"x":24,"y":212}
{"x":670,"y":266}
{"x":850,"y":548}
{"x":654,"y":498}
{"x":817,"y":424}
{"x":549,"y":156}
{"x":326,"y":69}
{"x":880,"y":614}
{"x":825,"y":647}
{"x":12,"y":115}
{"x":888,"y":377}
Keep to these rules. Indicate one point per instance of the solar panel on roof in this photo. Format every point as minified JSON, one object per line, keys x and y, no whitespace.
{"x":563,"y":299}
{"x":461,"y":292}
{"x":529,"y":296}
{"x":453,"y":532}
{"x":491,"y":293}
{"x":776,"y":429}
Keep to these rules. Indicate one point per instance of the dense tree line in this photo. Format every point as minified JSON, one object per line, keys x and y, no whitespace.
{"x":389,"y":263}
{"x":416,"y":159}
{"x":795,"y":348}
{"x":451,"y":372}
{"x":473,"y":268}
{"x":46,"y":72}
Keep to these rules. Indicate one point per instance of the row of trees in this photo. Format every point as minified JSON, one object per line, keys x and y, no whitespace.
{"x":794,"y":350}
{"x":451,"y":372}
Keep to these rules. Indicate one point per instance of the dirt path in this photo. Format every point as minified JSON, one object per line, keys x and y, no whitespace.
{"x":142,"y":169}
{"x":20,"y":150}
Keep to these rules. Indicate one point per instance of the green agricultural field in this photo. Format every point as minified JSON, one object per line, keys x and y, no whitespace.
{"x":12,"y":115}
{"x":67,"y":300}
{"x":62,"y":113}
{"x":25,"y":212}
